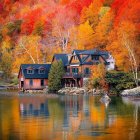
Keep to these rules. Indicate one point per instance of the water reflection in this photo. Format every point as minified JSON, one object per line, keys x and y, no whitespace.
{"x":32,"y":106}
{"x":68,"y":118}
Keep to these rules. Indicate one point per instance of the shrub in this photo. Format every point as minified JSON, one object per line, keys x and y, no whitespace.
{"x":119,"y":81}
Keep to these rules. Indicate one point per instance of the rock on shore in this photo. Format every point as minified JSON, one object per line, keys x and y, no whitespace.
{"x":131,"y":92}
{"x":75,"y":91}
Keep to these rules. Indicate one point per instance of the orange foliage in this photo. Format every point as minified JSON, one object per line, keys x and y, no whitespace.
{"x":98,"y":73}
{"x":77,"y":24}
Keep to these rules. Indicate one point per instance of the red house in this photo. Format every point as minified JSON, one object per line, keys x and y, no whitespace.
{"x":79,"y":66}
{"x":33,"y":76}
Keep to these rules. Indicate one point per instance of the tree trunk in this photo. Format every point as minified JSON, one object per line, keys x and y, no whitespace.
{"x":132,"y":59}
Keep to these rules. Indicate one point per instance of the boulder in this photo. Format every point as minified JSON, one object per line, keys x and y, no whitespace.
{"x":105,"y":99}
{"x":131,"y":92}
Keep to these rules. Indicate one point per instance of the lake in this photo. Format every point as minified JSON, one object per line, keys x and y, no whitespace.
{"x":68,"y":118}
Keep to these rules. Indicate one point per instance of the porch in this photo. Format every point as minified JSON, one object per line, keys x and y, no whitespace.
{"x":72,"y":80}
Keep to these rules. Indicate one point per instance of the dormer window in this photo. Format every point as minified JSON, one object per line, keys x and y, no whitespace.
{"x":30,"y":71}
{"x":42,"y":71}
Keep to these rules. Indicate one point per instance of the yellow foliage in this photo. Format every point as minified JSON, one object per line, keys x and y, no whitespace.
{"x":91,"y":13}
{"x":85,"y":36}
{"x":98,"y":71}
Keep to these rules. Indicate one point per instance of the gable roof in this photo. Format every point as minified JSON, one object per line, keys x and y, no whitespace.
{"x":36,"y":68}
{"x":104,"y":54}
{"x":63,"y":57}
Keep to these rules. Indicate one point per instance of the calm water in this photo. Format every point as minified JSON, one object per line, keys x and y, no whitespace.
{"x":68,"y":118}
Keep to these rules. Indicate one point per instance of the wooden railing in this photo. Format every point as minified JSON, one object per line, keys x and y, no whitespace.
{"x":75,"y":75}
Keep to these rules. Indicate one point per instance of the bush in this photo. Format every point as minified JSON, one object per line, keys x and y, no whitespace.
{"x":15,"y":81}
{"x":119,"y":81}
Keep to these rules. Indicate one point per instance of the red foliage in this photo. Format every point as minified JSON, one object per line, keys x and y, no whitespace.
{"x":126,"y":10}
{"x":78,"y":5}
{"x":30,"y":19}
{"x":1,"y":7}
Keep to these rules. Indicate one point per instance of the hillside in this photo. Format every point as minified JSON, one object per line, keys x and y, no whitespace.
{"x":31,"y":31}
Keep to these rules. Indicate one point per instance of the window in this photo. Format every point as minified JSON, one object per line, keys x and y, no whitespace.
{"x":30,"y":71}
{"x":95,"y":57}
{"x":42,"y":82}
{"x":31,"y":82}
{"x":108,"y":63}
{"x":75,"y":70}
{"x":87,"y":71}
{"x":97,"y":63}
{"x":41,"y":71}
{"x":75,"y":57}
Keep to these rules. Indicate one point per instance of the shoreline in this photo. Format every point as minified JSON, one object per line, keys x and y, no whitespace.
{"x":135,"y":92}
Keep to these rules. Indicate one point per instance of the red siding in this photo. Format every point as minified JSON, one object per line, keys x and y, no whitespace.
{"x":36,"y":84}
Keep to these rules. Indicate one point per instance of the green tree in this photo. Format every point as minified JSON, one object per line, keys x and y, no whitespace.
{"x":119,"y":81}
{"x":55,"y":76}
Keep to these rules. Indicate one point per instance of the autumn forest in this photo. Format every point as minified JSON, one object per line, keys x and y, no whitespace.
{"x":31,"y":31}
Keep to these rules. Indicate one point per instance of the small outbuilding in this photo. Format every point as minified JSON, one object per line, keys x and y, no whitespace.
{"x":33,"y":76}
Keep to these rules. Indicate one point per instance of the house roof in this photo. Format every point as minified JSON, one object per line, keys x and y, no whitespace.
{"x":103,"y":54}
{"x":77,"y":51}
{"x":93,"y":52}
{"x":36,"y":68}
{"x":63,"y":57}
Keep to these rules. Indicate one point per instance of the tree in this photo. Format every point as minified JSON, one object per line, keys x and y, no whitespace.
{"x":127,"y":37}
{"x":6,"y":59}
{"x":30,"y":46}
{"x":85,"y":36}
{"x":63,"y":22}
{"x":102,"y":30}
{"x":55,"y":76}
{"x":119,"y":81}
{"x":98,"y":76}
{"x":91,"y":13}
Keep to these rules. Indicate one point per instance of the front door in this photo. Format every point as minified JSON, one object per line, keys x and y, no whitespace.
{"x":22,"y":84}
{"x":42,"y":82}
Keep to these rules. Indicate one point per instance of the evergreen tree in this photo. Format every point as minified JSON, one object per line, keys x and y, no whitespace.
{"x":55,"y":76}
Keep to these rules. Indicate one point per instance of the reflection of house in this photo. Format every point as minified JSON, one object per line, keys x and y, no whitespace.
{"x":77,"y":66}
{"x":33,"y":76}
{"x":33,"y":107}
{"x":72,"y":106}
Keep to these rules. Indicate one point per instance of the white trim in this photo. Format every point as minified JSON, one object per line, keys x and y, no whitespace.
{"x":22,"y":79}
{"x":74,"y":65}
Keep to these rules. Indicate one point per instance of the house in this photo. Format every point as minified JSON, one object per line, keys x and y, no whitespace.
{"x":80,"y":63}
{"x":77,"y":66}
{"x":33,"y":76}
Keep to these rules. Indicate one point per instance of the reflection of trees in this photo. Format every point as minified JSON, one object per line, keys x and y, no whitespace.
{"x":69,"y":117}
{"x":117,"y":105}
{"x":136,"y":103}
{"x":9,"y":118}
